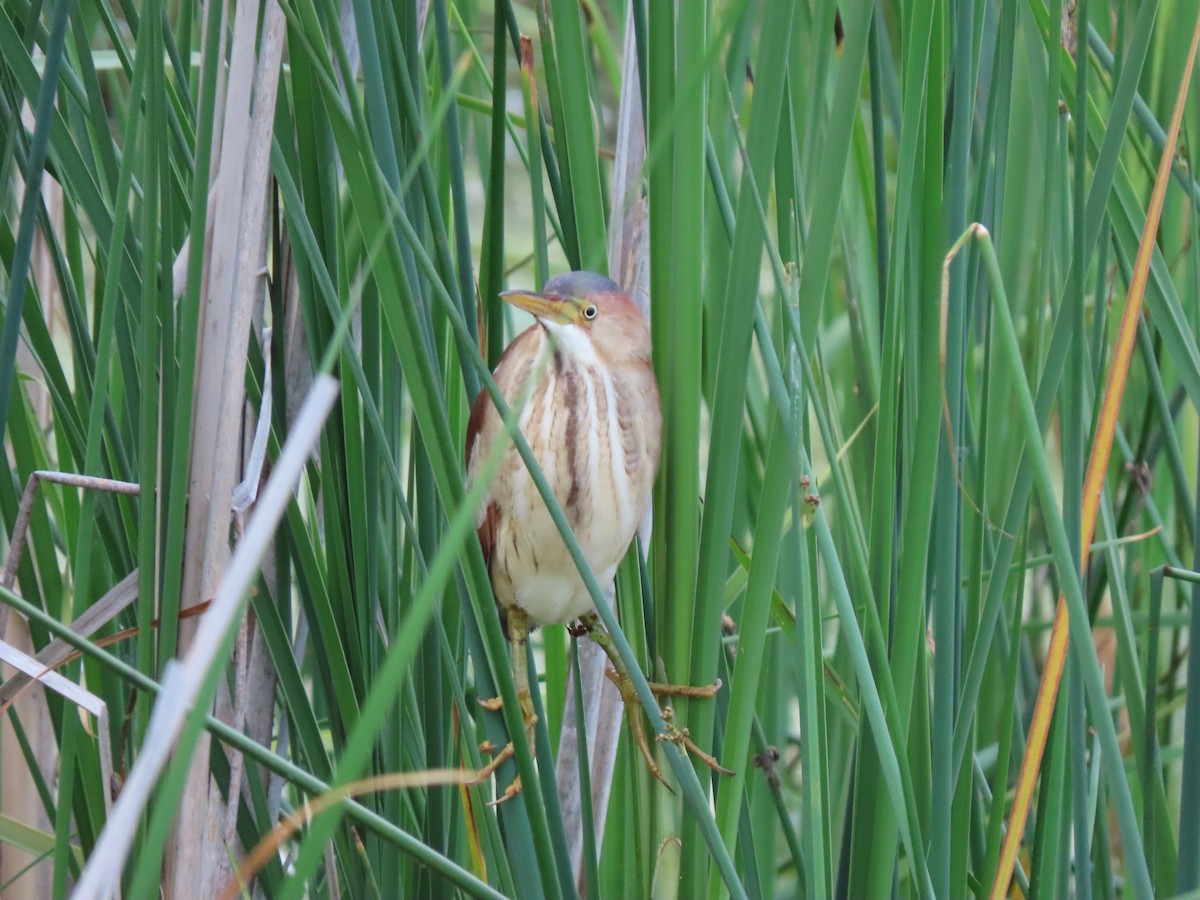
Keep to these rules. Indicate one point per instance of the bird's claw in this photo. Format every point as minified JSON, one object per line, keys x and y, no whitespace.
{"x":497,"y":761}
{"x":495,"y":704}
{"x":529,"y":718}
{"x":681,"y":738}
{"x":619,"y":676}
{"x":509,"y":792}
{"x":489,"y":770}
{"x":672,"y":733}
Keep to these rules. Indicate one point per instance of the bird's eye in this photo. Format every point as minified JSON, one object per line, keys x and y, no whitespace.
{"x":589,"y":312}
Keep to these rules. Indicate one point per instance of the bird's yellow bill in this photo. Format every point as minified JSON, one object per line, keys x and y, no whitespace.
{"x":544,"y":306}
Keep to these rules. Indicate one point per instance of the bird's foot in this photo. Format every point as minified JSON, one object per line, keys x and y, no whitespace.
{"x":681,"y":738}
{"x":489,"y":770}
{"x":529,"y":719}
{"x":619,"y":675}
{"x":673,"y":734}
{"x":525,"y":698}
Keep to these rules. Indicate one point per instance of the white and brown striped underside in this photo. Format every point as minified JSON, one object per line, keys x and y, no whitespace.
{"x":596,"y":431}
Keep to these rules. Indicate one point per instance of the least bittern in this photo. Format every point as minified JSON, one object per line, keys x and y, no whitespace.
{"x":592,"y":418}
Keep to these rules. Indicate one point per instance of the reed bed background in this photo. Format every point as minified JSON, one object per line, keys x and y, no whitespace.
{"x":254,"y":252}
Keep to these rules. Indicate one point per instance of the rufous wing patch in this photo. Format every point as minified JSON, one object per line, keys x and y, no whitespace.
{"x":487,"y":533}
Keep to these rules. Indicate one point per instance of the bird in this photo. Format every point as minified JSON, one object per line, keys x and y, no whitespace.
{"x":589,"y":407}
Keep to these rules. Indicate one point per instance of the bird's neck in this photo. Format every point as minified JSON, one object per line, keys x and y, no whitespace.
{"x":573,"y":343}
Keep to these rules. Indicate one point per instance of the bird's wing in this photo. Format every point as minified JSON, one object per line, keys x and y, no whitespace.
{"x":484,"y":426}
{"x":488,"y":519}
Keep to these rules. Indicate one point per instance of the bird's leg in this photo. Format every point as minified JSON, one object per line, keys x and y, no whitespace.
{"x":629,"y":697}
{"x":518,"y":632}
{"x":619,"y":675}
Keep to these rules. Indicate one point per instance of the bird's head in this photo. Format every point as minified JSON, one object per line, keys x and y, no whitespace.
{"x":588,"y":316}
